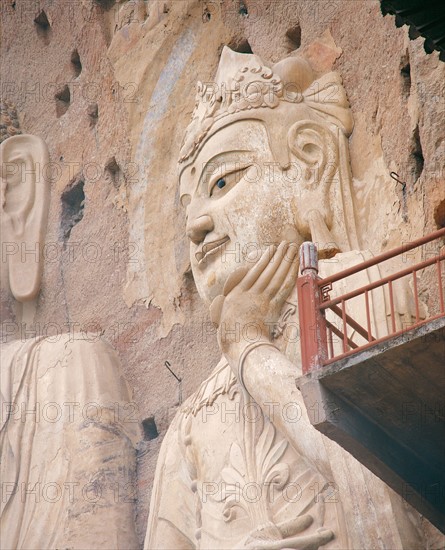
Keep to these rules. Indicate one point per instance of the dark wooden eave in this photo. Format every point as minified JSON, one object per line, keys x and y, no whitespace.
{"x":424,"y":17}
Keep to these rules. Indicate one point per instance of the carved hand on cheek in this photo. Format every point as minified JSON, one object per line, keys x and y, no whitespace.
{"x":252,"y":300}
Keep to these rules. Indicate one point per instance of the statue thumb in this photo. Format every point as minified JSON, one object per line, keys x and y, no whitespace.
{"x":216,"y":309}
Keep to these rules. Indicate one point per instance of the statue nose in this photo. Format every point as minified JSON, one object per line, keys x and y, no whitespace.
{"x":198,"y":228}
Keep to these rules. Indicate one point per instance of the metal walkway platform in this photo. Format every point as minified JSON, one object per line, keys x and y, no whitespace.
{"x":381,"y":399}
{"x":376,"y":406}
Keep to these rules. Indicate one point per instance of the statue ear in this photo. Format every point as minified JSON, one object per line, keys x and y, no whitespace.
{"x":24,"y":204}
{"x":315,"y":149}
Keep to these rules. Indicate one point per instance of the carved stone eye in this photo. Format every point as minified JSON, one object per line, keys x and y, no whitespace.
{"x":221,"y":183}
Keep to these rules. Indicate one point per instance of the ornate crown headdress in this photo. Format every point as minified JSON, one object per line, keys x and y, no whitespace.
{"x":245,"y":87}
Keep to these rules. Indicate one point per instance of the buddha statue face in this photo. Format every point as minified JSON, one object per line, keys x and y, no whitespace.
{"x":237,"y":203}
{"x":259,"y":171}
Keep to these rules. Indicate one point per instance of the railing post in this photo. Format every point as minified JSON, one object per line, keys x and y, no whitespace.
{"x":314,"y":351}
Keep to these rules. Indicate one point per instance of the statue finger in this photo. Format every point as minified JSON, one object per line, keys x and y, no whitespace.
{"x":290,"y":280}
{"x":274,"y":264}
{"x":298,"y":542}
{"x":234,"y":279}
{"x":310,"y":542}
{"x":286,"y":272}
{"x":295,"y":525}
{"x":259,"y":267}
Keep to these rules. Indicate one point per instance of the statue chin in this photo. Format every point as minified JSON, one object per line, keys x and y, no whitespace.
{"x":211,"y":277}
{"x":210,"y":289}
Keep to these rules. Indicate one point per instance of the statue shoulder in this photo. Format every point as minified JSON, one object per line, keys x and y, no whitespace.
{"x":222,"y":381}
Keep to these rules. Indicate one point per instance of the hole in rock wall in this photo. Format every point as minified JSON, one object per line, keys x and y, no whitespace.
{"x":113,"y":172}
{"x":242,"y":10}
{"x":241,"y":46}
{"x":63,"y":101}
{"x":206,"y":15}
{"x":73,"y":200}
{"x":416,"y":156}
{"x":93,"y":114}
{"x":439,"y":215}
{"x":75,"y":63}
{"x":405,"y":72}
{"x":293,"y":37}
{"x":105,"y":4}
{"x":150,"y":429}
{"x":42,"y":26}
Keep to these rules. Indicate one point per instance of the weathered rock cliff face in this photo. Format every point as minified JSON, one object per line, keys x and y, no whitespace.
{"x":110,"y":87}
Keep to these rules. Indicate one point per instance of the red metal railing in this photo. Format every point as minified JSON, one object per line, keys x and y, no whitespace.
{"x":317,"y":332}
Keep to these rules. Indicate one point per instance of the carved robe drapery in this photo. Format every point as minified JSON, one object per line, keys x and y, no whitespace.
{"x":225,"y":473}
{"x":67,"y":446}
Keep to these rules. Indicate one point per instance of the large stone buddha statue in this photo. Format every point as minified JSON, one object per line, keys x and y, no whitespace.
{"x":67,"y":440}
{"x":264,"y":166}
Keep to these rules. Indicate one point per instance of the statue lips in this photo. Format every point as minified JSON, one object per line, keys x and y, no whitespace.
{"x":209,"y":248}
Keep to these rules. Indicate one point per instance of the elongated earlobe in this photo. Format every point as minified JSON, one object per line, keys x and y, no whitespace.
{"x":321,"y":235}
{"x":25,"y":201}
{"x":314,"y":147}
